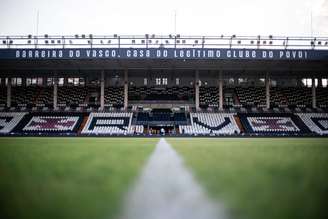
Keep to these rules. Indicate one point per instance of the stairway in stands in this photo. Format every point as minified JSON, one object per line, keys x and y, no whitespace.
{"x":239,"y":124}
{"x":84,"y":121}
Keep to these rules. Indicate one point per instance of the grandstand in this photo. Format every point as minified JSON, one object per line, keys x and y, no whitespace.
{"x":139,"y":85}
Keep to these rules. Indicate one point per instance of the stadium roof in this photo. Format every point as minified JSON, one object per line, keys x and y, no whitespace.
{"x":223,"y":53}
{"x":163,"y":41}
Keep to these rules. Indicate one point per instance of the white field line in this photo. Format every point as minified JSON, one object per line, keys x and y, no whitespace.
{"x":166,"y":189}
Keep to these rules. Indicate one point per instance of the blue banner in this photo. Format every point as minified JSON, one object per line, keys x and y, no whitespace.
{"x":164,"y":53}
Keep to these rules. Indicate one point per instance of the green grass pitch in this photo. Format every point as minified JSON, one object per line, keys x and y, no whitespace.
{"x":68,"y":178}
{"x":257,"y":178}
{"x":254,"y":178}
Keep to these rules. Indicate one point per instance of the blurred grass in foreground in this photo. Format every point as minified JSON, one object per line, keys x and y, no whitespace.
{"x":257,"y":178}
{"x":68,"y":178}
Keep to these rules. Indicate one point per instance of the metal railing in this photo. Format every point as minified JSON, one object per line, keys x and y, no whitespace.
{"x":159,"y":41}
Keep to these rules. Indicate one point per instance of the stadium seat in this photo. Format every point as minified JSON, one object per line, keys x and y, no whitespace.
{"x":157,"y":94}
{"x":211,"y":123}
{"x":316,"y":122}
{"x":9,"y":120}
{"x":272,"y":124}
{"x":49,"y":123}
{"x":113,"y":123}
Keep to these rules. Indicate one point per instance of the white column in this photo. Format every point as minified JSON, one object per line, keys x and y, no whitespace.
{"x":314,"y":98}
{"x":102,"y":90}
{"x":220,"y":91}
{"x":267,"y":90}
{"x":126,"y":87}
{"x":197,"y":90}
{"x":55,"y":106}
{"x":9,"y":92}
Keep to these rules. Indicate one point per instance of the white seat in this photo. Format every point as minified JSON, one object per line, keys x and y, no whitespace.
{"x":8,"y":126}
{"x":109,"y":123}
{"x":212,"y":121}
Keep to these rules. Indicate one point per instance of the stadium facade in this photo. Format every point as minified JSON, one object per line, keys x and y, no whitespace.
{"x":184,"y":85}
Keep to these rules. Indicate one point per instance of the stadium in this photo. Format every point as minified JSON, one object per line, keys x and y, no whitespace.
{"x":88,"y":85}
{"x":165,"y":86}
{"x":100,"y":120}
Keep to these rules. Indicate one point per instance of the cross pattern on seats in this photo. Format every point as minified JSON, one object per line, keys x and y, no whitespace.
{"x":273,"y":124}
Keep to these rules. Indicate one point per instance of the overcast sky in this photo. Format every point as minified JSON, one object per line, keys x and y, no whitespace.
{"x":204,"y":17}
